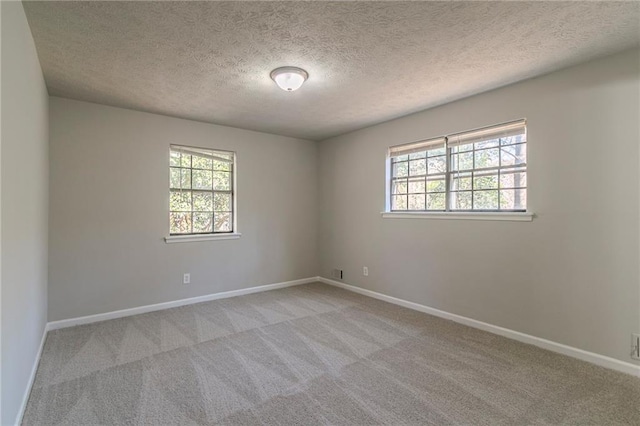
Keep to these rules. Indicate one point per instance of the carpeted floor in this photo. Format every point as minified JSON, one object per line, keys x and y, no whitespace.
{"x":313,"y":354}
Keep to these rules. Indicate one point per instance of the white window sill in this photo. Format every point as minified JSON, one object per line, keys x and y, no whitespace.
{"x":204,"y":237}
{"x":508,"y":216}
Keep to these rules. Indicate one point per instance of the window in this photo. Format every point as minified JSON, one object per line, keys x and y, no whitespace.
{"x":201,"y":191}
{"x":483,"y":170}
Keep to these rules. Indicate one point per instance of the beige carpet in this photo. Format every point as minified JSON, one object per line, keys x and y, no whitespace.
{"x":313,"y":354}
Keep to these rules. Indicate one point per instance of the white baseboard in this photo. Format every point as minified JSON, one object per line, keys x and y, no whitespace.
{"x":32,"y":377}
{"x":54,"y":325}
{"x":601,"y":360}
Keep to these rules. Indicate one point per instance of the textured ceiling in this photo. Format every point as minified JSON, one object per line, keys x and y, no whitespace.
{"x":368,"y":61}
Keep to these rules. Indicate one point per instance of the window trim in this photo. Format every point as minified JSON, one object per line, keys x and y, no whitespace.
{"x":206,"y":236}
{"x":508,"y":215}
{"x":188,"y":238}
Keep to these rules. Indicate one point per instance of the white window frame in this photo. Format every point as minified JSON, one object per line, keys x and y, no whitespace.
{"x":207,"y":236}
{"x":448,"y":142}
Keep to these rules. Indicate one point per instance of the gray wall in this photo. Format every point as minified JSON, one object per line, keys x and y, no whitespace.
{"x":571,"y":275}
{"x":110,"y":201}
{"x":24,"y":173}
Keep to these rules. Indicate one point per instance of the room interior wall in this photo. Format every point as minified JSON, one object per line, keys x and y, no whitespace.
{"x":569,"y":276}
{"x":24,"y":208}
{"x":109,"y":211}
{"x":304,"y":208}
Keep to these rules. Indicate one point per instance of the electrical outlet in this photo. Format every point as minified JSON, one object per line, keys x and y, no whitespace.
{"x":365,"y":271}
{"x":186,"y":279}
{"x":635,"y":346}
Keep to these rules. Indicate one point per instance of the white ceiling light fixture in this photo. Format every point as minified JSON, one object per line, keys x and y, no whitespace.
{"x":289,"y":78}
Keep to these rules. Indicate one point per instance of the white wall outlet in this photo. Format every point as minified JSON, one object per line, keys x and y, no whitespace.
{"x":365,"y":271}
{"x":186,"y":279}
{"x":635,"y":346}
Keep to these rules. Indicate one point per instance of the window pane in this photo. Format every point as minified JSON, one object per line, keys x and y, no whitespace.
{"x":401,"y":169}
{"x":485,"y":182}
{"x":222,"y":181}
{"x":417,"y":167}
{"x":461,"y":181}
{"x":180,"y":223}
{"x":437,"y":165}
{"x":514,"y":154}
{"x":180,"y":201}
{"x":222,"y":222}
{"x":513,"y":178}
{"x":508,"y":156}
{"x":221,"y":202}
{"x":521,"y":154}
{"x":185,"y":160}
{"x":185,"y":175}
{"x":520,"y":202}
{"x":417,"y":155}
{"x":416,"y":185}
{"x":201,"y":163}
{"x":437,"y":185}
{"x":487,"y":158}
{"x":202,"y":202}
{"x":507,"y":199}
{"x":221,"y":165}
{"x":174,"y":158}
{"x":462,"y":161}
{"x":202,"y":179}
{"x":416,"y":201}
{"x":485,"y":200}
{"x":436,"y":202}
{"x":202,"y":222}
{"x":174,"y":178}
{"x":513,"y":139}
{"x":513,"y":199}
{"x":461,"y":200}
{"x":398,"y":202}
{"x":399,"y":186}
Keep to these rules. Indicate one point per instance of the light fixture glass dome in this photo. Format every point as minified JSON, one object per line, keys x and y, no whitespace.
{"x":289,"y":78}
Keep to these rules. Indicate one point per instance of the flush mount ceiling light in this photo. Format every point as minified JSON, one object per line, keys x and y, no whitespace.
{"x":289,"y":78}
